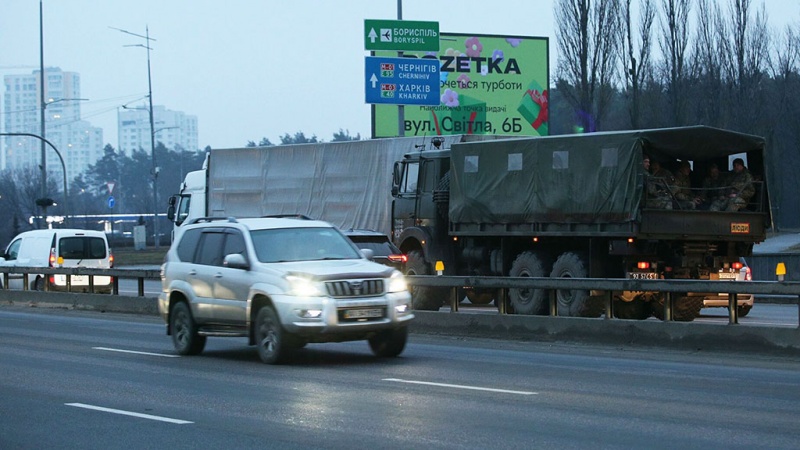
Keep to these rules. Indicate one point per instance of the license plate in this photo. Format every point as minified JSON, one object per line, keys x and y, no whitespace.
{"x":643,"y":275}
{"x":76,"y":280}
{"x":727,"y":276}
{"x":363,"y":313}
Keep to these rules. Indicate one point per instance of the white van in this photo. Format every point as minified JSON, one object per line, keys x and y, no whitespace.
{"x":62,"y":247}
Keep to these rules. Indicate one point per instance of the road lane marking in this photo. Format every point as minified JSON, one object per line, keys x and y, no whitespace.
{"x":118,"y":350}
{"x":459,"y":386}
{"x":128,"y":413}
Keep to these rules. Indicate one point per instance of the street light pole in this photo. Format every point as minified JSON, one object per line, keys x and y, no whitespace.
{"x":156,"y":238}
{"x":43,"y":103}
{"x":147,"y":39}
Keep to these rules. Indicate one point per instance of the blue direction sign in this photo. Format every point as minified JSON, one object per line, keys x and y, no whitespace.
{"x":402,"y":81}
{"x":111,"y":202}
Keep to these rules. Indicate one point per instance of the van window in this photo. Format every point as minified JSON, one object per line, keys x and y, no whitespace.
{"x":82,"y":247}
{"x":13,"y":250}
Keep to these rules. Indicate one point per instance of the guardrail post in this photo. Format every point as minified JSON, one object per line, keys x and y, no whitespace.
{"x":668,"y":307}
{"x":553,"y":303}
{"x":453,"y":299}
{"x":501,"y":300}
{"x":733,"y":313}
{"x":115,"y":285}
{"x":609,"y":297}
{"x":91,"y":284}
{"x":141,"y":286}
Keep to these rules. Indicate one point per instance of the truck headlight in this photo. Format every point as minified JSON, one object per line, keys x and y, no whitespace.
{"x":304,"y":287}
{"x":397,"y":282}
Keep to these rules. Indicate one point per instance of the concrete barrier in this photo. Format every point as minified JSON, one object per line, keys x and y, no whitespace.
{"x":677,"y":335}
{"x":649,"y":333}
{"x":88,"y":302}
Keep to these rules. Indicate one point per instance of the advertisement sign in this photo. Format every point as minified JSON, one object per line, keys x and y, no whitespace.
{"x":488,"y":85}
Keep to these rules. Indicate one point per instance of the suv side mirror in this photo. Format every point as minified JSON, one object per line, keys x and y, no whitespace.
{"x":368,"y":253}
{"x":171,"y":212}
{"x":235,"y":261}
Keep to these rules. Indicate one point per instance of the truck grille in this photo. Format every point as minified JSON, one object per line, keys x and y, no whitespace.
{"x":354,"y":288}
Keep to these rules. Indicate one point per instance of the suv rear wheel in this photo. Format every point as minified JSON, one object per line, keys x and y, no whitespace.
{"x":271,"y":339}
{"x":184,"y":331}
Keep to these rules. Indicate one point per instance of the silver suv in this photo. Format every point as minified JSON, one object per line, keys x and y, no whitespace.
{"x":282,"y":283}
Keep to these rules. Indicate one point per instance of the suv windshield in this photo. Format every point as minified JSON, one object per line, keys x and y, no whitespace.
{"x":301,"y":244}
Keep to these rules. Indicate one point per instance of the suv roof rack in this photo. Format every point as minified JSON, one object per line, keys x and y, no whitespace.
{"x":212,"y":219}
{"x":287,"y":216}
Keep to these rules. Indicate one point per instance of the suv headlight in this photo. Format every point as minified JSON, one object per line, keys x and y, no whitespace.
{"x":304,"y":287}
{"x":397,"y":282}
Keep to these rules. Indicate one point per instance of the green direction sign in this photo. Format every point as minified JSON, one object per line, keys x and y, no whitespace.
{"x":401,"y":35}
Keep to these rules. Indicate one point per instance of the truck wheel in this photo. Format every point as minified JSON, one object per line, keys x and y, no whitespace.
{"x":528,"y":301}
{"x":270,"y":337}
{"x":423,"y":298}
{"x":389,"y":343}
{"x":684,"y":308}
{"x":481,"y":296}
{"x":574,"y":302}
{"x":636,"y":309}
{"x":744,"y":310}
{"x":184,"y":331}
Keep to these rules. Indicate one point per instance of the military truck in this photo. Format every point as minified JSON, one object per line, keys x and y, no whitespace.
{"x":343,"y":183}
{"x":579,"y":206}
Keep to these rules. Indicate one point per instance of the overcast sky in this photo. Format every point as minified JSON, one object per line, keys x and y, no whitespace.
{"x":246,"y":68}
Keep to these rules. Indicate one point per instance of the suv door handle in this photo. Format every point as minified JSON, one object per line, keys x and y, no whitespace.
{"x":218,"y":275}
{"x":192,"y":273}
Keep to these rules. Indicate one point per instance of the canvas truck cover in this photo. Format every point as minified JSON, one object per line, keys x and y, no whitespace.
{"x":345,"y":183}
{"x":584,"y":179}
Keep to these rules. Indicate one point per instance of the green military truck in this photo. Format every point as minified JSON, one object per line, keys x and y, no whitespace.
{"x":581,"y":206}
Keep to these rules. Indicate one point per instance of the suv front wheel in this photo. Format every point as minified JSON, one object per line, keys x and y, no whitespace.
{"x":389,"y":343}
{"x":184,"y":331}
{"x":271,"y":339}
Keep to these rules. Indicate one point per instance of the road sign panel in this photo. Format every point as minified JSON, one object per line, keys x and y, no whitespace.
{"x":401,"y":35}
{"x":111,"y":202}
{"x":402,"y":81}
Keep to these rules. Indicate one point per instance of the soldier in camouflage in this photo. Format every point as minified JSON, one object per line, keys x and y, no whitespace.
{"x":684,"y":196}
{"x":660,"y":186}
{"x":740,"y":191}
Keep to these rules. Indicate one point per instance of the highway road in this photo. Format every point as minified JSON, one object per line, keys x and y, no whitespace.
{"x":71,"y":379}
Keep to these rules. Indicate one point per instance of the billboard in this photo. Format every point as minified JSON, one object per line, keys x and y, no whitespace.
{"x":489,"y":85}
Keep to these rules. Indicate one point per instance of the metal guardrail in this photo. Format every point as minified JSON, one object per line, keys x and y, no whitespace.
{"x":608,"y":285}
{"x":25,"y":272}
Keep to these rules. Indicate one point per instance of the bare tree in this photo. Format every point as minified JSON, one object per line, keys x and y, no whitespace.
{"x":638,"y":69}
{"x":745,"y":56}
{"x":588,"y":36}
{"x":674,"y":41}
{"x":707,"y":63}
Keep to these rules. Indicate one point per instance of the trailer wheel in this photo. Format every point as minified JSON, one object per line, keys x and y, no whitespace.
{"x":684,"y":308}
{"x":423,"y":298}
{"x":528,"y":301}
{"x":636,"y":309}
{"x":574,"y":302}
{"x":744,"y":310}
